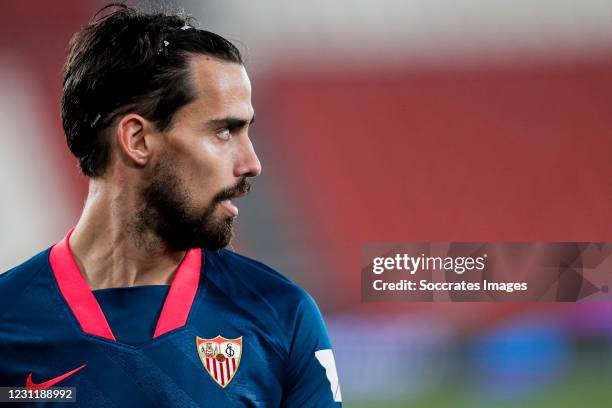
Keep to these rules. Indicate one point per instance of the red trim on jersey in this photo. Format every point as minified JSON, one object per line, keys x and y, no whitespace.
{"x":85,"y":307}
{"x":75,"y":290}
{"x":181,"y":294}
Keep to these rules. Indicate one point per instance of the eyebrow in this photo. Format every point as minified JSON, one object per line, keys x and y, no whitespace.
{"x":231,"y":122}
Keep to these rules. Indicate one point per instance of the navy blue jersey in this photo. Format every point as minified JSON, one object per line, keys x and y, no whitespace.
{"x":228,"y":331}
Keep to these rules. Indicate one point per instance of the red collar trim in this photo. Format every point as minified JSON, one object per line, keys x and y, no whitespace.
{"x":87,"y":311}
{"x":181,"y":294}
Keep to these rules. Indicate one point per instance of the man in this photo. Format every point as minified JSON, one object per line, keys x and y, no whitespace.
{"x":140,"y":305}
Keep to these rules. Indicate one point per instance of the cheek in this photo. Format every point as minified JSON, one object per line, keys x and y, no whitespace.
{"x":216,"y":158}
{"x":208,"y":172}
{"x":201,"y":183}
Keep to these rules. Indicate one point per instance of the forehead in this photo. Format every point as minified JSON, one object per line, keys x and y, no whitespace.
{"x":222,"y":88}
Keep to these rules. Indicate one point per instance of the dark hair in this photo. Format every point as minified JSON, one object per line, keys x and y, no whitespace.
{"x":129,"y":61}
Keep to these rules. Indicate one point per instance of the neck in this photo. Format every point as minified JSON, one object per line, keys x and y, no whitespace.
{"x":113,"y":249}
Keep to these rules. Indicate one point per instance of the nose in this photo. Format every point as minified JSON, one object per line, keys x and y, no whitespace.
{"x":248,"y":164}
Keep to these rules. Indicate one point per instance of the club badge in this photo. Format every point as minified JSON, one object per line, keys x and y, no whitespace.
{"x":220,"y":357}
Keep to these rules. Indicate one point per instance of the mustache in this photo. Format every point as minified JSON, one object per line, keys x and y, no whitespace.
{"x":239,"y":189}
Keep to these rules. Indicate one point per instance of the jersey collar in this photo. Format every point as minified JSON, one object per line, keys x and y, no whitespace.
{"x":87,"y":311}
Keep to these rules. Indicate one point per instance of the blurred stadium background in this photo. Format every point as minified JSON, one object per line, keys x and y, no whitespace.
{"x":394,"y":120}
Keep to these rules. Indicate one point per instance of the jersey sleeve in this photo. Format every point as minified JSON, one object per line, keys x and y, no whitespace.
{"x":311,"y":379}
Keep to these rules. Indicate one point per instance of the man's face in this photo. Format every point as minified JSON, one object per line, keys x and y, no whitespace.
{"x":204,"y":160}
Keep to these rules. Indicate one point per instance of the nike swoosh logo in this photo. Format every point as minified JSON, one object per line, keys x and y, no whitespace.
{"x":50,"y":383}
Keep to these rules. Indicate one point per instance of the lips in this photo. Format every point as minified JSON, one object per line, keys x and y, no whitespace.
{"x":229,"y":207}
{"x":225,"y":198}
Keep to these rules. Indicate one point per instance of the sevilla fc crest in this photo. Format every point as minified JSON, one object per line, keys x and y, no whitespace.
{"x":220,"y":357}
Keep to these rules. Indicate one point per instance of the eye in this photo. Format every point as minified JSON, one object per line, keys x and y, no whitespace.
{"x":224,"y":134}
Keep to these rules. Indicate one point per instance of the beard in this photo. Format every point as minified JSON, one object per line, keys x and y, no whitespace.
{"x":169,"y":213}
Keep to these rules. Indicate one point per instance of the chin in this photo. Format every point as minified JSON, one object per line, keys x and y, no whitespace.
{"x":223,"y":232}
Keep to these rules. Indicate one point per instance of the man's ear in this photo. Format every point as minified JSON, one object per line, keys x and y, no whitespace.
{"x":133,"y":139}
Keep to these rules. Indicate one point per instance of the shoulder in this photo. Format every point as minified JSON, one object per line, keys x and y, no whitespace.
{"x":14,"y":281}
{"x":282,"y":309}
{"x":19,"y":276}
{"x":273,"y":298}
{"x":257,"y":278}
{"x":256,"y":286}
